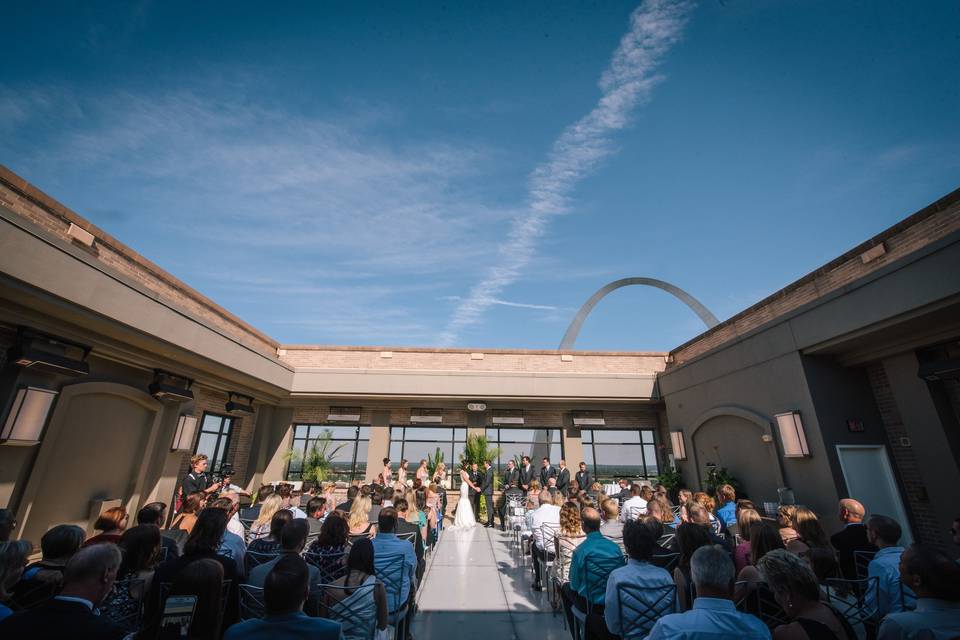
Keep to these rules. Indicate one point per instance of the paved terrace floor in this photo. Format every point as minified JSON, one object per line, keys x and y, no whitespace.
{"x":476,"y":586}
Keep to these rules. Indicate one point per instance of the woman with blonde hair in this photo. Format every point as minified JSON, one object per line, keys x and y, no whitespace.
{"x":786,"y":514}
{"x":534,"y":493}
{"x":741,"y":554}
{"x":268,"y":508}
{"x":810,"y":533}
{"x":708,"y":503}
{"x":359,"y":518}
{"x":570,"y":536}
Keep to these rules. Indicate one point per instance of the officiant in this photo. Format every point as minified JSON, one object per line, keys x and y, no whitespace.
{"x":476,"y":479}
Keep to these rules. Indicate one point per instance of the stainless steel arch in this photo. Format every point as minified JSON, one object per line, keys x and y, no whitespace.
{"x":570,"y":337}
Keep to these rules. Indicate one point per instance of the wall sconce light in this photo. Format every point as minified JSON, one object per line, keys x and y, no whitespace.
{"x":29,"y":412}
{"x":183,"y":438}
{"x":676,"y":442}
{"x":791,"y":435}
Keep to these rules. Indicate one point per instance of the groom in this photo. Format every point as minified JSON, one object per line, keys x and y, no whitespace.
{"x":486,"y":488}
{"x":475,"y":479}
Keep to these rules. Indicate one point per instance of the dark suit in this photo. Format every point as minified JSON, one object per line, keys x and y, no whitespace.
{"x":563,"y":480}
{"x":583,"y":480}
{"x":486,"y":488}
{"x":59,"y":619}
{"x":511,"y":486}
{"x":526,"y":475}
{"x":475,"y":478}
{"x":546,"y":474}
{"x":852,"y":538}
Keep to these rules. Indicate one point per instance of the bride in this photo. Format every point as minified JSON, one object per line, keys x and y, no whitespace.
{"x":465,"y":518}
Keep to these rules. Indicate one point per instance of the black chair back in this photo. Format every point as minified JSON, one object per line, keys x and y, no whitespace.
{"x":596,"y":570}
{"x":357,"y":619}
{"x":251,"y":602}
{"x":666,"y":561}
{"x":641,"y":607}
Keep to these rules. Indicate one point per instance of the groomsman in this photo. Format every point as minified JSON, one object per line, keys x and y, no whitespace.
{"x":526,"y":473}
{"x":546,"y":473}
{"x":486,"y":488}
{"x":583,"y":477}
{"x":563,"y":478}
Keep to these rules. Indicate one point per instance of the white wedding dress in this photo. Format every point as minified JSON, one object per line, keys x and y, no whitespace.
{"x":465,"y":518}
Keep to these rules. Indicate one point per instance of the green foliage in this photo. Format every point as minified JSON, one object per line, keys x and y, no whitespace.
{"x":477,"y":449}
{"x":434,"y":460}
{"x":717,"y":476}
{"x":318,"y":461}
{"x":671,"y":479}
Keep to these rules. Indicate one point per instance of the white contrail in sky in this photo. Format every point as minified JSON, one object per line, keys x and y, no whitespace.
{"x":654,"y":27}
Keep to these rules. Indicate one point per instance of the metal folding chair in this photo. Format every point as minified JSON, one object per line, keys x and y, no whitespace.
{"x":641,"y":607}
{"x":850,"y":599}
{"x":254,"y":559}
{"x":122,"y":607}
{"x":409,"y":536}
{"x":390,"y":569}
{"x":351,"y":612}
{"x":332,"y":565}
{"x":596,"y":570}
{"x":666,"y":561}
{"x":759,"y":601}
{"x":251,"y":602}
{"x":666,"y":540}
{"x":861,"y":562}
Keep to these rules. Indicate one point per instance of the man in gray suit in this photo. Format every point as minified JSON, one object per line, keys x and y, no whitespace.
{"x":486,"y":488}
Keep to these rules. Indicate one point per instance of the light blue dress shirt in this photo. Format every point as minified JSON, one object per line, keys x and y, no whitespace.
{"x":710,"y":619}
{"x":293,"y":626}
{"x":932,"y":620}
{"x":388,"y":544}
{"x":639,"y":574}
{"x":886,"y":597}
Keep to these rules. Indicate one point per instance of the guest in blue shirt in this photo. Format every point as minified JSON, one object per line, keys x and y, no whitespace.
{"x":659,"y":593}
{"x":284,"y":593}
{"x":727,"y":511}
{"x":889,"y":596}
{"x":389,"y":549}
{"x":713,"y":615}
{"x":580,"y":591}
{"x":935,"y":578}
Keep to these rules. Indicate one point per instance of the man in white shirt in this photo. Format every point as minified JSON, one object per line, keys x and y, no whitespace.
{"x":935,"y":578}
{"x":234,"y":525}
{"x":713,"y":616}
{"x":635,"y":507}
{"x":542,"y":549}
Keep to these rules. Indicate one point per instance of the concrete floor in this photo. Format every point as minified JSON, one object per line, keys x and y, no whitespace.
{"x":476,"y":587}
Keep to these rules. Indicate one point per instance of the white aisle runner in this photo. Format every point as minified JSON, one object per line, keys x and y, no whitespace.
{"x":475,"y":587}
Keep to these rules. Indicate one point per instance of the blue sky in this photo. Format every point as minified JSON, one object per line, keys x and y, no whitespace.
{"x":427,"y":174}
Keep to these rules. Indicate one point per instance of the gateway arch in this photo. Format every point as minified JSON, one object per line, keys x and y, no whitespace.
{"x":570,"y":337}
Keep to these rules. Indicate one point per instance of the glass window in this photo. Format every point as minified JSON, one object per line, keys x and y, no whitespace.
{"x":620,"y":453}
{"x":516,"y":443}
{"x":214,"y":440}
{"x":348,"y":449}
{"x":416,"y":443}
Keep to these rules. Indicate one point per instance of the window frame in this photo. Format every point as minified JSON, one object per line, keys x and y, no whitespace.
{"x":320,"y":426}
{"x":222,"y":438}
{"x":501,"y":463}
{"x":640,"y":444}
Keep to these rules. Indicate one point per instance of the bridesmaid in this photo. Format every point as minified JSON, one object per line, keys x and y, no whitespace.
{"x":402,"y":473}
{"x":387,"y":472}
{"x":422,"y":473}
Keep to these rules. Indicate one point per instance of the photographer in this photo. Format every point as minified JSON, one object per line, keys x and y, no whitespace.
{"x":197,"y":479}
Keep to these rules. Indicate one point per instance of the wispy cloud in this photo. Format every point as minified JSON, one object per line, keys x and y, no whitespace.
{"x":628,"y":81}
{"x":506,"y":303}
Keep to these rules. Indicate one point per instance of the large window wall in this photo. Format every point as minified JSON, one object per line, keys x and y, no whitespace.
{"x":518,"y":442}
{"x":417,"y":443}
{"x":350,"y":443}
{"x":619,"y":453}
{"x":214,"y":440}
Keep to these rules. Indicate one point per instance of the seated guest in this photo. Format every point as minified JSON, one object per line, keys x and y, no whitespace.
{"x":187,"y":517}
{"x":252,"y":512}
{"x":376,"y":504}
{"x":87,"y":579}
{"x":366,"y":607}
{"x":316,"y":510}
{"x":577,"y":592}
{"x":886,"y":598}
{"x":795,"y":589}
{"x":405,"y":526}
{"x":542,"y":548}
{"x":289,"y":500}
{"x":683,"y":497}
{"x":359,"y":519}
{"x":763,"y":539}
{"x":713,"y":615}
{"x":293,"y":539}
{"x":284,"y":592}
{"x":659,"y":508}
{"x":333,"y":536}
{"x":571,"y":535}
{"x":204,"y":580}
{"x":727,"y":511}
{"x":741,"y":553}
{"x":935,"y":579}
{"x":612,"y":527}
{"x":271,"y":542}
{"x":426,"y":518}
{"x":689,"y":538}
{"x":638,"y":572}
{"x":204,"y":543}
{"x":42,"y":580}
{"x":388,"y":496}
{"x":13,"y":560}
{"x":699,"y":515}
{"x":635,"y":505}
{"x":387,"y":545}
{"x":140,"y":546}
{"x":710,"y":506}
{"x":810,"y":533}
{"x":234,"y":525}
{"x":657,"y":531}
{"x":111,"y":523}
{"x":853,"y":537}
{"x":8,"y":522}
{"x":785,"y":518}
{"x":533,"y":493}
{"x":154,"y":514}
{"x":626,"y":491}
{"x":232,"y":545}
{"x":352,"y":492}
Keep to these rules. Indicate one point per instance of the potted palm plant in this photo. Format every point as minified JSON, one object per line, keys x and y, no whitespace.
{"x":317,"y":463}
{"x":477,"y":449}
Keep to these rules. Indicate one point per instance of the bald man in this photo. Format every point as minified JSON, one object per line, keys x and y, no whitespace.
{"x":853,"y":537}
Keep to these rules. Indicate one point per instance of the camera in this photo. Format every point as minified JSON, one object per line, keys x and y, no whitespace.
{"x":226,"y":471}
